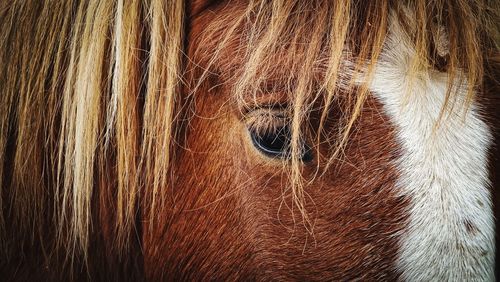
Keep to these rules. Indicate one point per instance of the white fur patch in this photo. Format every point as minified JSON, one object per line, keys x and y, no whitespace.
{"x":443,"y":172}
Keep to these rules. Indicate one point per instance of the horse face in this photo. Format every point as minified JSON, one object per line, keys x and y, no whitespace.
{"x":403,"y":195}
{"x":93,"y":129}
{"x":230,"y":213}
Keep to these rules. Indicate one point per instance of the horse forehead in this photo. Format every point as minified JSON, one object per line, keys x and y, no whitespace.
{"x":208,"y":31}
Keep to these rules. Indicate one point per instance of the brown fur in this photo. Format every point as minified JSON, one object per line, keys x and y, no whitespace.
{"x":228,"y":217}
{"x":176,"y":190}
{"x":491,"y":104}
{"x":236,"y":225}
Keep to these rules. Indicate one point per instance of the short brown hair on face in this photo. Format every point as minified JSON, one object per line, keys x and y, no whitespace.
{"x":90,"y":93}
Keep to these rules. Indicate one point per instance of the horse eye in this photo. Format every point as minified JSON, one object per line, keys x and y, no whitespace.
{"x":277,"y":144}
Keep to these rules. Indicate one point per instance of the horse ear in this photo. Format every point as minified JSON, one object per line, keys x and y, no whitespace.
{"x":197,"y":6}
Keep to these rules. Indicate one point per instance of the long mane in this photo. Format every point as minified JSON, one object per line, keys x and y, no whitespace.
{"x":91,"y":92}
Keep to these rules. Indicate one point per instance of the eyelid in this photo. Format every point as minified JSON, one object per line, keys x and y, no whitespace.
{"x":264,"y":100}
{"x":249,"y":108}
{"x":266,"y":120}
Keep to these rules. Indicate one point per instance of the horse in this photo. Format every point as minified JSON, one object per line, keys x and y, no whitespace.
{"x":248,"y":140}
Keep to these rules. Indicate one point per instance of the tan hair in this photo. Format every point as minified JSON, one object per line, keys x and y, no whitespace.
{"x":79,"y":111}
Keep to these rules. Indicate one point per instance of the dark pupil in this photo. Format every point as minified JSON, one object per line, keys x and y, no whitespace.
{"x":277,"y":144}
